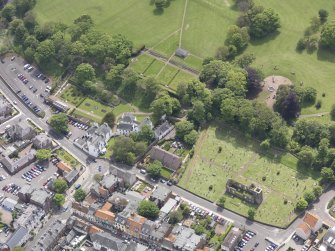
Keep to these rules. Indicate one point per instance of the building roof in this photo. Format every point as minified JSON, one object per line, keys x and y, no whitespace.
{"x":70,"y":176}
{"x":125,"y":126}
{"x":40,"y":196}
{"x":161,"y":193}
{"x":9,"y":203}
{"x":15,"y":239}
{"x":232,"y":238}
{"x":107,"y":206}
{"x":163,"y":128}
{"x":181,"y":53}
{"x":305,"y":228}
{"x":105,"y":215}
{"x":184,"y":238}
{"x":169,"y":160}
{"x":311,"y":219}
{"x":64,"y":166}
{"x":107,"y":240}
{"x":329,"y":238}
{"x":109,"y":181}
{"x":168,"y":206}
{"x":161,"y":230}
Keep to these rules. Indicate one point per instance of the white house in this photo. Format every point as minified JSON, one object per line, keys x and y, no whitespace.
{"x":311,"y":224}
{"x":95,"y":140}
{"x":128,"y":124}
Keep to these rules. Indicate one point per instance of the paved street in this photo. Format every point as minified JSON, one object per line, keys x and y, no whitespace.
{"x":279,"y":235}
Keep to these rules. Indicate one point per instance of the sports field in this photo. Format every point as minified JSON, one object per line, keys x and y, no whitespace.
{"x":240,"y":159}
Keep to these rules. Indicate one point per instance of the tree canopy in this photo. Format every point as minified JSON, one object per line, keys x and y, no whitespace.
{"x":79,"y":195}
{"x":60,"y":186}
{"x":59,"y":199}
{"x":154,"y":168}
{"x":59,"y":122}
{"x":148,"y":209}
{"x":43,"y":154}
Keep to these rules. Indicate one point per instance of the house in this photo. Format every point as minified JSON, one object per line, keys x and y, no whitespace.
{"x":134,"y":225}
{"x":49,"y":238}
{"x":162,"y":130}
{"x":183,"y":238}
{"x":42,"y":141}
{"x":128,"y":178}
{"x":105,"y":215}
{"x":232,"y":239}
{"x":20,"y":131}
{"x":127,"y":124}
{"x":95,"y":140}
{"x":111,"y":183}
{"x":160,"y":196}
{"x":36,"y":196}
{"x":311,"y":224}
{"x":5,"y":107}
{"x":328,"y":243}
{"x":29,"y":218}
{"x":181,"y":53}
{"x":63,"y":167}
{"x":107,"y":242}
{"x":169,"y":160}
{"x":14,"y":165}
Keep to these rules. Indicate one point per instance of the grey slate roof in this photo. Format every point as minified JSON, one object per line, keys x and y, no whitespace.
{"x":107,"y":240}
{"x":17,"y":237}
{"x":161,"y":193}
{"x":181,"y":53}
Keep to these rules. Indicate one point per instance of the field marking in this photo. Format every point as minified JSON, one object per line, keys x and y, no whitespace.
{"x":166,"y":63}
{"x":182,"y":23}
{"x":164,"y":39}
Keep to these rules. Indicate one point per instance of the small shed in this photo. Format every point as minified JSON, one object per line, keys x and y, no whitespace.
{"x":181,"y":53}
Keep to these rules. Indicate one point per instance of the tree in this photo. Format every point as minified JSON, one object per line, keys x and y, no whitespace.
{"x":8,"y":12}
{"x":59,"y":122}
{"x":265,"y":145}
{"x":254,"y":79}
{"x":44,"y":52}
{"x":164,"y":105}
{"x":98,"y":177}
{"x":84,"y":72}
{"x":309,"y":132}
{"x":60,"y":186}
{"x":191,"y":138}
{"x":125,"y":149}
{"x":301,"y":205}
{"x":238,"y":37}
{"x":109,"y":118}
{"x":114,"y":77}
{"x":160,"y":4}
{"x":43,"y":154}
{"x":88,"y":87}
{"x":183,"y":128}
{"x":251,"y":213}
{"x":327,"y":174}
{"x":146,"y":134}
{"x":175,"y":217}
{"x":306,"y":157}
{"x":327,"y":37}
{"x":309,"y":197}
{"x":198,"y":113}
{"x":287,"y":103}
{"x":79,"y":195}
{"x":263,"y":24}
{"x":245,"y":60}
{"x":221,"y":201}
{"x":18,"y":248}
{"x":59,"y":199}
{"x":332,"y":112}
{"x":323,"y":15}
{"x":317,"y":191}
{"x":154,"y":168}
{"x":148,"y":209}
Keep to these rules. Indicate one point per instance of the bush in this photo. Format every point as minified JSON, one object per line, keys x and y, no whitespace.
{"x":332,"y":112}
{"x":302,"y":204}
{"x":318,"y":104}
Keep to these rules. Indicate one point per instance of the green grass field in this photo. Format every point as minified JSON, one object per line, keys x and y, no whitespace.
{"x":168,"y":75}
{"x":240,"y":159}
{"x":317,"y":69}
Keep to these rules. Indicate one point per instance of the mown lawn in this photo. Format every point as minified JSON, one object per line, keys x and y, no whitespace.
{"x":95,"y":108}
{"x":276,"y":173}
{"x":67,"y":158}
{"x":316,"y":69}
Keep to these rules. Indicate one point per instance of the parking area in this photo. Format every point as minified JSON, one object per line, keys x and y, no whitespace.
{"x":30,"y":175}
{"x":27,"y":81}
{"x":77,"y":129}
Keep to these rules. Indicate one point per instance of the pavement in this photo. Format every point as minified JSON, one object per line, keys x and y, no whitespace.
{"x":262,"y":230}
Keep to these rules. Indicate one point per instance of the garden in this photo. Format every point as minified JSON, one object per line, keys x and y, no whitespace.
{"x":241,"y":159}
